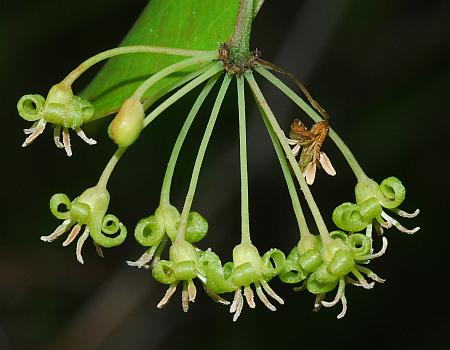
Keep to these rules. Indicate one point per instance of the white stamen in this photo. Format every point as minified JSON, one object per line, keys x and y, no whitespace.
{"x":80,"y":243}
{"x":145,"y":258}
{"x":192,"y":291}
{"x":83,"y":136}
{"x":369,"y":231}
{"x":326,"y":164}
{"x":296,"y":149}
{"x":185,"y":297}
{"x":338,"y":296}
{"x":58,"y":232}
{"x":398,"y":225}
{"x":344,"y":307}
{"x":168,"y":295}
{"x":237,"y":304}
{"x":263,"y":298}
{"x":310,"y":173}
{"x":30,"y":130}
{"x":57,"y":136}
{"x":235,"y":301}
{"x":376,"y":255}
{"x":291,"y":142}
{"x":405,"y":214}
{"x":382,"y":250}
{"x":72,"y":235}
{"x":271,"y":292}
{"x":39,"y":129}
{"x":362,"y":280}
{"x":66,"y":142}
{"x":352,"y":281}
{"x":249,"y":296}
{"x":370,"y":274}
{"x":318,"y":302}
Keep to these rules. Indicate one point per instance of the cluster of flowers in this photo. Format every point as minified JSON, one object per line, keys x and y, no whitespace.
{"x":319,"y":262}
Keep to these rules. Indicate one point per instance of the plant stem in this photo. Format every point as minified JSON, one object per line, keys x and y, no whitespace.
{"x":301,"y":221}
{"x":72,"y":76}
{"x":140,"y":91}
{"x":149,"y":101}
{"x":240,"y":41}
{"x":103,"y":181}
{"x":165,"y":192}
{"x":214,"y":68}
{"x":258,"y":5}
{"x":199,"y":159}
{"x":243,"y":162}
{"x":351,"y":160}
{"x":261,"y":101}
{"x":156,"y":96}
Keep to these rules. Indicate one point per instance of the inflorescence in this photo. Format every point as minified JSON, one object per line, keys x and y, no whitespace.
{"x":320,"y":262}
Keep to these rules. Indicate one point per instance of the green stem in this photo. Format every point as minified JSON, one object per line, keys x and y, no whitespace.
{"x":240,"y":41}
{"x":243,"y":162}
{"x":72,"y":76}
{"x":149,"y":101}
{"x":200,"y":156}
{"x":140,"y":91}
{"x":159,"y":251}
{"x":351,"y":160}
{"x":106,"y":174}
{"x":258,"y":5}
{"x":302,"y":225}
{"x":259,"y":97}
{"x":214,"y":68}
{"x":165,"y":192}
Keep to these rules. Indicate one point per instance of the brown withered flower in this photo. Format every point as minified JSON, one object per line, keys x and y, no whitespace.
{"x":310,"y":142}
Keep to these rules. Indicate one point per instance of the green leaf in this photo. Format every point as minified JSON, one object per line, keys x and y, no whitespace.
{"x":186,"y":24}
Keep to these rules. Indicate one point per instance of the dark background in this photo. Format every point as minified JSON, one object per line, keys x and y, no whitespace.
{"x":382,"y":70}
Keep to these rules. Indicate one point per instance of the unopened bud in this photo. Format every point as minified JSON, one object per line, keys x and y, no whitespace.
{"x":128,"y":123}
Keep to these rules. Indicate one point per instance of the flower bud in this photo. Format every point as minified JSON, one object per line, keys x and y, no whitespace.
{"x":128,"y":123}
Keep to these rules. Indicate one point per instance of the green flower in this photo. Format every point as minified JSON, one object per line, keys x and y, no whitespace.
{"x":246,"y":269}
{"x":371,"y":198}
{"x":183,"y":266}
{"x":62,"y":109}
{"x":153,"y":230}
{"x":341,"y":264}
{"x":89,"y":210}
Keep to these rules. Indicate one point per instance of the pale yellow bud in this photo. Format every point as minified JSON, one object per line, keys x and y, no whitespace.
{"x":128,"y":123}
